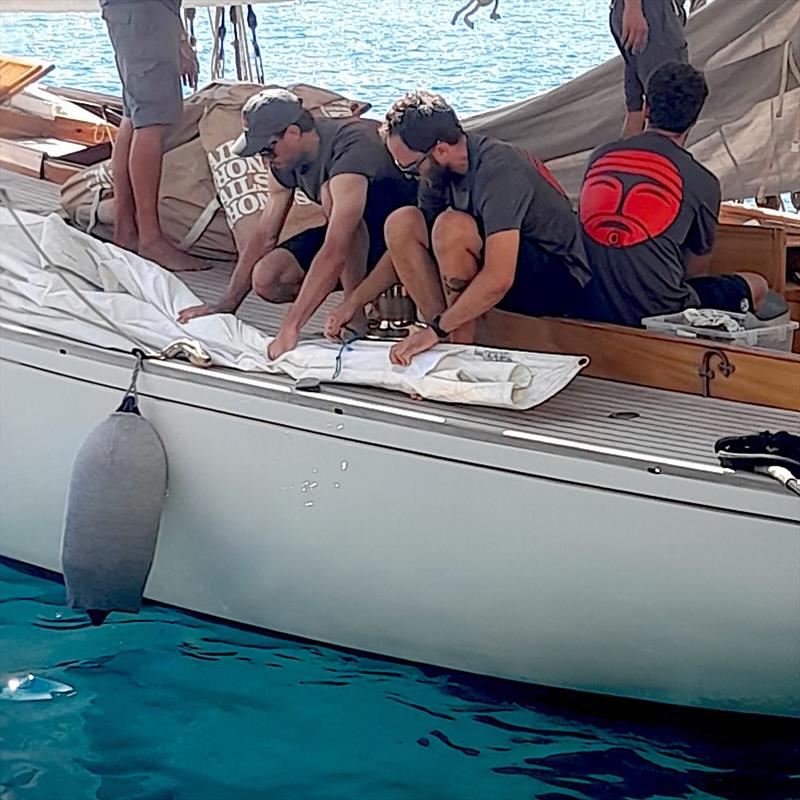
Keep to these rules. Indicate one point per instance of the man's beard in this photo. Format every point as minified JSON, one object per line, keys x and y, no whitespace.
{"x":438,"y":173}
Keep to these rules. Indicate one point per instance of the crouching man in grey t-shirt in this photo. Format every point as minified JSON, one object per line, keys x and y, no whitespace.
{"x":342,"y":165}
{"x":491,"y":227}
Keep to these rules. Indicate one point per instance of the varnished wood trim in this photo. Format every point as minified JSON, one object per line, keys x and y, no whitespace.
{"x":632,"y":355}
{"x":15,"y":124}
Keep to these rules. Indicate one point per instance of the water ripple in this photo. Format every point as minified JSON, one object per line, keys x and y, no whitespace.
{"x":179,"y":707}
{"x":374,"y":51}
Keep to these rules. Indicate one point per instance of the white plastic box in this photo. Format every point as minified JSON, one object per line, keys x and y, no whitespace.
{"x":768,"y":335}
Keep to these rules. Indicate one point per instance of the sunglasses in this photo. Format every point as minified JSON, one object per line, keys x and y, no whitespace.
{"x":412,"y":170}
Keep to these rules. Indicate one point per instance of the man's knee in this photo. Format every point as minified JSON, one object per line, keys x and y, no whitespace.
{"x":455,"y":231}
{"x":403,"y":226}
{"x":277,"y":277}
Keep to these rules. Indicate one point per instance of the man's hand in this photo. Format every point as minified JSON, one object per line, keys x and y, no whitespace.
{"x":285,"y":341}
{"x":337,"y":319}
{"x":634,"y":27}
{"x":201,"y":311}
{"x":402,"y":353}
{"x":190,"y":67}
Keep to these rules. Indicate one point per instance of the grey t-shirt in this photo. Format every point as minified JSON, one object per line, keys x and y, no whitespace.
{"x":351,"y":145}
{"x":645,"y":203}
{"x":506,"y":188}
{"x":172,"y":5}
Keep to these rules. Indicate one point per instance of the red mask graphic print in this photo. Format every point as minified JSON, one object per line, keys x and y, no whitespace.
{"x":615,"y":217}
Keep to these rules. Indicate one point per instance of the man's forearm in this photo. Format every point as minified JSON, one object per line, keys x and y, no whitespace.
{"x":325,"y":270}
{"x":242,"y":276}
{"x":481,"y":296}
{"x":382,"y":278}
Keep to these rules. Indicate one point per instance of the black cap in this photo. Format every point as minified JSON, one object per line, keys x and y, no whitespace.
{"x":265,"y":115}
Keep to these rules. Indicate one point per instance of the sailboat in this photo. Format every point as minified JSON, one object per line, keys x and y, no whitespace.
{"x":592,"y":541}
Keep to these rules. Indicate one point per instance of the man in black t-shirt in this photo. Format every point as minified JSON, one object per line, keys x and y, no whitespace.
{"x":649,"y":215}
{"x":491,"y":227}
{"x":340,"y":164}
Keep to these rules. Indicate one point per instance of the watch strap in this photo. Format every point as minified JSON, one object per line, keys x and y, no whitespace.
{"x":436,"y":327}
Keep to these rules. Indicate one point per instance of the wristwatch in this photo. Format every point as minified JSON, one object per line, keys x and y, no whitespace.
{"x":437,"y":328}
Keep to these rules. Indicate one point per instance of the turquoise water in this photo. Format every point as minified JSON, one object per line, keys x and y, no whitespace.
{"x":372,"y":50}
{"x":168,"y":706}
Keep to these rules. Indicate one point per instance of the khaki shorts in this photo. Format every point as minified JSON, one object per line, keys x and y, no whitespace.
{"x":666,"y":42}
{"x":146,"y":37}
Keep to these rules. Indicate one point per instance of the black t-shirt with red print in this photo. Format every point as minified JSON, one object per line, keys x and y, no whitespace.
{"x":645,"y":205}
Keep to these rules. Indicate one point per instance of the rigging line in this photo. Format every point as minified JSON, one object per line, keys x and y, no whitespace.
{"x":252,"y":22}
{"x":346,"y":345}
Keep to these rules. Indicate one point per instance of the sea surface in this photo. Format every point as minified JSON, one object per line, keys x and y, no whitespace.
{"x":372,"y":50}
{"x":167,"y":706}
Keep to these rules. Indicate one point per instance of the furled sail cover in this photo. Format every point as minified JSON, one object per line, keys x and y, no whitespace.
{"x":749,"y":133}
{"x":143,"y":301}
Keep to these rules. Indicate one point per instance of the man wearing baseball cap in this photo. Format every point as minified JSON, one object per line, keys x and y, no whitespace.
{"x":342,"y":165}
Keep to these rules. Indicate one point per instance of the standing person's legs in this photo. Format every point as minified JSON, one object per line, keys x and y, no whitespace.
{"x":634,"y":88}
{"x":146,"y":38}
{"x":144,"y":168}
{"x":125,"y":232}
{"x":666,"y":42}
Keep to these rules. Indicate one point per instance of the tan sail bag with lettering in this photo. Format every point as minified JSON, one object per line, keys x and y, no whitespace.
{"x":210,"y":200}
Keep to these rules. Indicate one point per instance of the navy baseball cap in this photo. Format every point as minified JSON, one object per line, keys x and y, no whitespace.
{"x":264,"y":116}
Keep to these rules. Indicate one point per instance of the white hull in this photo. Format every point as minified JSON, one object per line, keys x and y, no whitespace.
{"x":422,"y":540}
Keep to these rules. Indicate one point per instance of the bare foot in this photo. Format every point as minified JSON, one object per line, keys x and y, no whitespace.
{"x":169,"y":257}
{"x":127,"y":238}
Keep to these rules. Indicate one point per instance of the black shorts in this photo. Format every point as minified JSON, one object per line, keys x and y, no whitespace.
{"x":305,"y":245}
{"x":543,"y":285}
{"x":382,"y":200}
{"x":723,"y":292}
